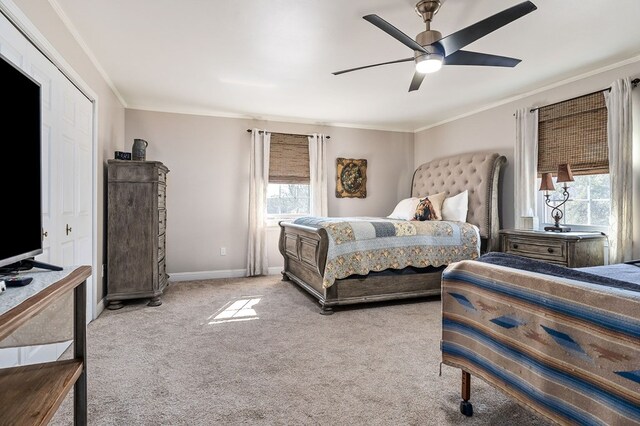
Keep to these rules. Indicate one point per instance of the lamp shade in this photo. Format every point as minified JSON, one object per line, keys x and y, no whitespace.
{"x":564,"y":173}
{"x":546,"y":184}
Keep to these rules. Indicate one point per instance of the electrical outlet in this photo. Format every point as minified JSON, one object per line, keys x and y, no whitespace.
{"x":223,"y":251}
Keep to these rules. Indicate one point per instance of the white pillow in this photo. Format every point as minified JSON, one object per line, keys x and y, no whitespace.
{"x":405,"y":209}
{"x":455,"y":208}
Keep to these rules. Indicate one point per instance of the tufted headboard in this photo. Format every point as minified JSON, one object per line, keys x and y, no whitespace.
{"x":480,"y":173}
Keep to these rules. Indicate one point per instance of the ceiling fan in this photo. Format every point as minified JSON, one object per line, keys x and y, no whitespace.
{"x":431,"y":50}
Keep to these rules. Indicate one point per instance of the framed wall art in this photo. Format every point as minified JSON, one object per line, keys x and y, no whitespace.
{"x":351,"y":178}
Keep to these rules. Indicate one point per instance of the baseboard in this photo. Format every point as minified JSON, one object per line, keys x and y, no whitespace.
{"x":275,"y":270}
{"x":212,"y":275}
{"x":99,"y":308}
{"x":207,"y":275}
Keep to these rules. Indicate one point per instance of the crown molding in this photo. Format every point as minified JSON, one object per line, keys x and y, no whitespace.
{"x":271,"y":118}
{"x":83,"y":45}
{"x":180,"y":110}
{"x":569,"y":80}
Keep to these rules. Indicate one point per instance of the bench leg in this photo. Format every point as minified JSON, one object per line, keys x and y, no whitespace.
{"x":326,"y":310}
{"x":80,"y":353}
{"x":465,"y":406}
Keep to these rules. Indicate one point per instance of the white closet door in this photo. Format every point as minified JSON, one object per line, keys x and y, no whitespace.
{"x":15,"y":47}
{"x":67,"y":117}
{"x":46,"y":74}
{"x":19,"y":51}
{"x":74,"y":163}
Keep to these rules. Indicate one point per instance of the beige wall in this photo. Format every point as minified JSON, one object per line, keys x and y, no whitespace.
{"x":208,"y":157}
{"x":110,"y":110}
{"x":207,"y":193}
{"x":494,"y":129}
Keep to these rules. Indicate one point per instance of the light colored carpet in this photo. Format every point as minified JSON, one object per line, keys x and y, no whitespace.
{"x":370,"y":365}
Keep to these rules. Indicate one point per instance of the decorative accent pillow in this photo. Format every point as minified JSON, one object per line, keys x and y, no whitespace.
{"x":430,"y":207}
{"x":406,"y":209}
{"x":455,"y":208}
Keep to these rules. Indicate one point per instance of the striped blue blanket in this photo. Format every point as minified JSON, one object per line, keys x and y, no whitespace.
{"x":568,"y":350}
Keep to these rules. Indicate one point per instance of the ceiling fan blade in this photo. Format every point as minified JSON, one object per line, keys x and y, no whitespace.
{"x":394,"y":32}
{"x":456,"y":41}
{"x":374,"y":65}
{"x":465,"y":57}
{"x":416,"y":81}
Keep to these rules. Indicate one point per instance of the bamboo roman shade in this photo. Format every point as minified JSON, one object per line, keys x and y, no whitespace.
{"x":574,"y":132}
{"x":289,"y":159}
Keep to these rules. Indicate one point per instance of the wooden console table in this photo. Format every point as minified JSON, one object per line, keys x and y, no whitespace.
{"x":31,"y":394}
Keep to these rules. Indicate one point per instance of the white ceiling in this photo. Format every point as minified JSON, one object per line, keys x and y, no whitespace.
{"x":274,"y":59}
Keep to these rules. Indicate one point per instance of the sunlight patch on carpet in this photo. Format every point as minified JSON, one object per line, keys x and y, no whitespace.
{"x":236,"y":310}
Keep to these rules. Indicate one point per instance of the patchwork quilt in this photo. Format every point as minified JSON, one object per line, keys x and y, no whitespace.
{"x":359,"y":245}
{"x":568,"y":350}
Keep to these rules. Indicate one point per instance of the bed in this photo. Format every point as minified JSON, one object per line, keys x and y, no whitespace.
{"x":307,"y":246}
{"x":561,"y":343}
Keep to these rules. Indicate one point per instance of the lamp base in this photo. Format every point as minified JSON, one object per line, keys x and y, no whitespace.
{"x":557,"y":228}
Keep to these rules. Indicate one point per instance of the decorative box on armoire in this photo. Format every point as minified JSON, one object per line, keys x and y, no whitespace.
{"x":136,"y":225}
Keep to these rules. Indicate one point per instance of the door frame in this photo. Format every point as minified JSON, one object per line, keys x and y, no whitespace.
{"x":15,"y":15}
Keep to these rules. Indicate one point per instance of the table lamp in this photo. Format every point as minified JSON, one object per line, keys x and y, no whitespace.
{"x":546,"y":185}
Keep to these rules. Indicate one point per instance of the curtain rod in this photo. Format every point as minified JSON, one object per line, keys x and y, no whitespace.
{"x":634,"y":84}
{"x":280,"y":133}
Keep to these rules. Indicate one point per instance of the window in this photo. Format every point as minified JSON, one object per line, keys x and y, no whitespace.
{"x":575,"y":132}
{"x":588,"y":206}
{"x":287,"y":199}
{"x":288,"y":193}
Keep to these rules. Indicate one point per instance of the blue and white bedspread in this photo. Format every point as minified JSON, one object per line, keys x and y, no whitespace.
{"x":359,"y":245}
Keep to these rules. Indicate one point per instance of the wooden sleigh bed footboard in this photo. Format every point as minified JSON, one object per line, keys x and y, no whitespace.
{"x":305,"y":250}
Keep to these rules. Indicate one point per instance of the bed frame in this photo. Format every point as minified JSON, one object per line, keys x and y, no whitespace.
{"x":305,"y":249}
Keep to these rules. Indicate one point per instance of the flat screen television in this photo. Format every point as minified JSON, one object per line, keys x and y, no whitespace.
{"x":21,"y":170}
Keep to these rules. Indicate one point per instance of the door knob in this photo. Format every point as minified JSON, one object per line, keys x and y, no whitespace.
{"x":45,"y":234}
{"x":68,"y":229}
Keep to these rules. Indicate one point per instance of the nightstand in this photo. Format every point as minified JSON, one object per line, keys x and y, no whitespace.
{"x":570,"y":249}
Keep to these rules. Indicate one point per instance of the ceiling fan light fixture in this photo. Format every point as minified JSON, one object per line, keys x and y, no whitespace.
{"x":429,"y":63}
{"x":431,"y":50}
